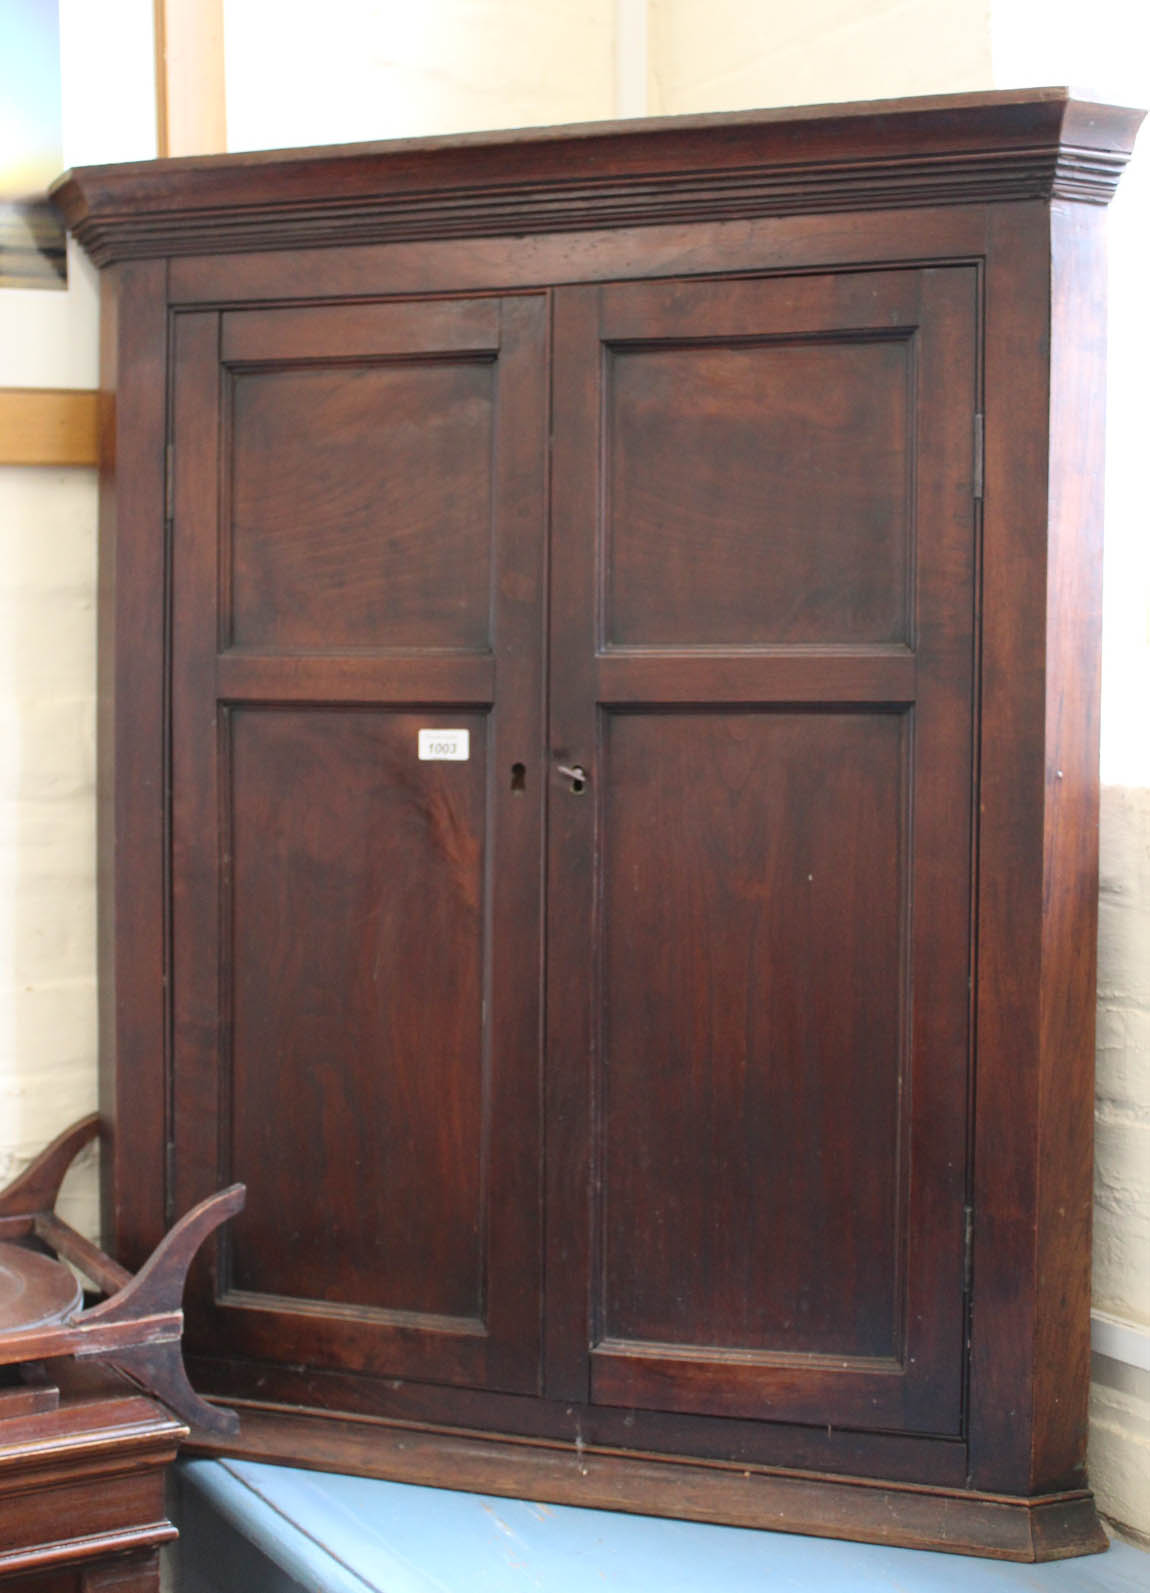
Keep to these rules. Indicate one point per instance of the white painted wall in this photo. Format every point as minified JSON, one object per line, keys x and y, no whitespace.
{"x":353,"y":70}
{"x":718,"y":55}
{"x":47,"y":812}
{"x":1119,"y":1453}
{"x":48,"y":339}
{"x":47,"y":643}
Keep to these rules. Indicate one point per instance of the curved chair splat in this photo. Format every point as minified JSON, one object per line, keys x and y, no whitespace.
{"x":35,"y":1189}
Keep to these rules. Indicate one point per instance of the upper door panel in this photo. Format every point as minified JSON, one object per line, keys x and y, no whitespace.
{"x":757,"y":489}
{"x":359,"y":506}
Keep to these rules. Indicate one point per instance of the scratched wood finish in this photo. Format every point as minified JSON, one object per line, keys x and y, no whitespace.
{"x":758,"y":343}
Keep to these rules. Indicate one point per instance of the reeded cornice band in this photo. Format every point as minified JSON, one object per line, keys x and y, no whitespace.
{"x":1036,"y":144}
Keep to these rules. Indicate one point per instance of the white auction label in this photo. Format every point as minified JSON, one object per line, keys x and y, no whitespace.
{"x":444,"y":746}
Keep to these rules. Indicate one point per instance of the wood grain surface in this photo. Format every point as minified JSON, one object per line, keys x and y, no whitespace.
{"x":49,"y":426}
{"x":699,"y":1073}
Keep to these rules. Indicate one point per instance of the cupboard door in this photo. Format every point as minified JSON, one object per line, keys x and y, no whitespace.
{"x":759,"y":1038}
{"x":356,"y":825}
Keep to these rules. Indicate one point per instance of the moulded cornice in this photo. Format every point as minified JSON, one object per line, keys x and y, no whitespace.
{"x":952,"y":150}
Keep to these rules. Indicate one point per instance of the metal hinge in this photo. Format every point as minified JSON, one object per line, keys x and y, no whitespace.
{"x":979,"y":455}
{"x":169,"y":1181}
{"x":169,"y":480}
{"x":967,"y":1248}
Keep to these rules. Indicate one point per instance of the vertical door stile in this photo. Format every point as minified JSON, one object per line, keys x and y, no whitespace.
{"x":572,"y":827}
{"x":197,"y":1087}
{"x":517,"y":778}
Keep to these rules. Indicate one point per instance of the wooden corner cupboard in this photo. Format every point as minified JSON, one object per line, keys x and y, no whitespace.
{"x":599,"y":675}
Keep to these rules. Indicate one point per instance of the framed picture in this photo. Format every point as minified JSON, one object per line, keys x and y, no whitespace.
{"x":32,"y":248}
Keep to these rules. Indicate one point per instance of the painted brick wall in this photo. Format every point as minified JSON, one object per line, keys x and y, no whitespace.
{"x":47,"y":816}
{"x":1120,"y":1396}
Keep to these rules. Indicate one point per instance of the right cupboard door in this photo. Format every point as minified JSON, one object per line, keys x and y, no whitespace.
{"x":763,"y":602}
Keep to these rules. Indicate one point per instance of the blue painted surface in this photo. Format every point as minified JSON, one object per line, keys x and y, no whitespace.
{"x":337,"y":1534}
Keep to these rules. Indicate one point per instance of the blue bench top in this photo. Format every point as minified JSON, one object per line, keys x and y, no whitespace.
{"x":338,"y":1534}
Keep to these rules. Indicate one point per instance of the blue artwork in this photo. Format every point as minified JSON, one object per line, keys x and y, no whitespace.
{"x":31,"y":238}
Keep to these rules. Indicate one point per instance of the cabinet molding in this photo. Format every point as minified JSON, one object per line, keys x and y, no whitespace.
{"x":880,"y":155}
{"x":957,"y":1520}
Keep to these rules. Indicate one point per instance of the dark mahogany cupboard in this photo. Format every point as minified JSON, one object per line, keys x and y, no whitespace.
{"x":599,"y":662}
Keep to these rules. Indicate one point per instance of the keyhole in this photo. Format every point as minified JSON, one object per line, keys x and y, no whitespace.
{"x":519,"y":777}
{"x":577,"y":774}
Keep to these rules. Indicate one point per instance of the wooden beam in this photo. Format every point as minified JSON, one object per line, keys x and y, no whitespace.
{"x":191,"y":105}
{"x":49,"y":426}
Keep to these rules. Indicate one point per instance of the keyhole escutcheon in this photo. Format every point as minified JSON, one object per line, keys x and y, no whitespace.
{"x":577,"y":774}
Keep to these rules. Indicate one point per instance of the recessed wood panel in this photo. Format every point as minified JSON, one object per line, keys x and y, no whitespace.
{"x":753,"y":1023}
{"x":360,"y":505}
{"x":357,"y":1059}
{"x":758,"y":492}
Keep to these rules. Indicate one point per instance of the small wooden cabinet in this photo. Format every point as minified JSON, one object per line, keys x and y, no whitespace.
{"x":683,"y":1100}
{"x":82,"y":1477}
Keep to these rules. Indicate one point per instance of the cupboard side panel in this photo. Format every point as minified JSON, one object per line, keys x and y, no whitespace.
{"x":131,"y":741}
{"x":1070,"y":884}
{"x":1038,"y":849}
{"x":1010,"y":850}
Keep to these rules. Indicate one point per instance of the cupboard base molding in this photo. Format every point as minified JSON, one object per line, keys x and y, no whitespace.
{"x":1051,"y":1526}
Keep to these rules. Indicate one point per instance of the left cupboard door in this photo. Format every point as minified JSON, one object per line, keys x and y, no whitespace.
{"x":357,"y":543}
